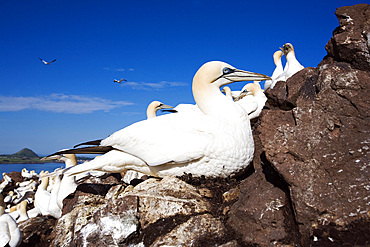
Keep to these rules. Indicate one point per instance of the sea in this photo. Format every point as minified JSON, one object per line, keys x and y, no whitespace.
{"x":8,"y":168}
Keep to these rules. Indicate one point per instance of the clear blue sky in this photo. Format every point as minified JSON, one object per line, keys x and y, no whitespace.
{"x":156,"y":45}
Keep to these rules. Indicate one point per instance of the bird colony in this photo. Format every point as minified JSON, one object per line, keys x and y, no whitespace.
{"x":212,"y":138}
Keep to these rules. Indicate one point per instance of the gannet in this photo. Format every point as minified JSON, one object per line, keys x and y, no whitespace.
{"x":277,"y":72}
{"x":26,"y":174}
{"x":292,"y":65}
{"x":68,"y":184}
{"x":9,"y":230}
{"x":55,"y":207}
{"x":42,"y":196}
{"x":252,"y":99}
{"x":24,"y":194}
{"x":22,"y":208}
{"x":10,"y":197}
{"x":151,"y":112}
{"x":46,"y":63}
{"x":227,"y":91}
{"x":218,"y":143}
{"x":119,"y":81}
{"x":6,"y":180}
{"x":153,"y":107}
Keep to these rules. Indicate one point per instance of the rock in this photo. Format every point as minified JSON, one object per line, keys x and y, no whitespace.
{"x":320,"y":146}
{"x":111,"y":224}
{"x":201,"y":230}
{"x":350,"y":42}
{"x":37,"y":231}
{"x":263,"y":215}
{"x":159,"y":199}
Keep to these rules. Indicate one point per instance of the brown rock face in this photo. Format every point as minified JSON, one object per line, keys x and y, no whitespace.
{"x":350,"y":42}
{"x":315,"y":139}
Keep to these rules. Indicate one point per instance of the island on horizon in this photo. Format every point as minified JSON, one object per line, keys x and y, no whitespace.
{"x":27,"y":156}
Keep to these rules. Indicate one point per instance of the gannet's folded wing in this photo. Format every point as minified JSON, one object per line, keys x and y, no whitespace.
{"x":165,"y":139}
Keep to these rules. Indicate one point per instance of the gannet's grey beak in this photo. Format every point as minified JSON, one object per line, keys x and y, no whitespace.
{"x":165,"y":107}
{"x":244,"y":93}
{"x":52,"y":157}
{"x":241,"y":75}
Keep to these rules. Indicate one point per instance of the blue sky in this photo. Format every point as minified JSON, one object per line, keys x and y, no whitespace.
{"x":156,"y":45}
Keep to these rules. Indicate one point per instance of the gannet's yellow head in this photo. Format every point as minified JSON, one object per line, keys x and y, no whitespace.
{"x":153,"y":107}
{"x":220,"y":74}
{"x":287,"y":47}
{"x":277,"y":56}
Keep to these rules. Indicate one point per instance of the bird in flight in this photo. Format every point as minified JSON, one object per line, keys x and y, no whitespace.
{"x":119,"y":81}
{"x":46,"y":63}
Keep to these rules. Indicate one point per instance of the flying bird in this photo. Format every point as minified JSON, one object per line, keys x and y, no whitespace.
{"x":217,"y":143}
{"x":119,"y":81}
{"x":46,"y":63}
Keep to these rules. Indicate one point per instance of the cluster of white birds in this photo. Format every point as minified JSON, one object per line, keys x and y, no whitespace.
{"x":40,"y":194}
{"x":211,"y":138}
{"x":292,"y":65}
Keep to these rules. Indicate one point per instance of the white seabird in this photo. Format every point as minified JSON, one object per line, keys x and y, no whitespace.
{"x":292,"y":65}
{"x":119,"y":81}
{"x":22,"y":207}
{"x":277,"y":72}
{"x":252,"y":99}
{"x":153,"y":107}
{"x":9,"y":230}
{"x":218,"y":143}
{"x":46,"y":63}
{"x":68,"y":184}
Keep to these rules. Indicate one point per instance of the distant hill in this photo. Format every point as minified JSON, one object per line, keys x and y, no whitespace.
{"x":26,"y":152}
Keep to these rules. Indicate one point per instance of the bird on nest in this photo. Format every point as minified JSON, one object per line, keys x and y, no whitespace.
{"x":217,"y":143}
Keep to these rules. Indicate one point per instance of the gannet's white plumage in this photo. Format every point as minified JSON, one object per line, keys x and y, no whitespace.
{"x":54,"y":208}
{"x":253,"y":101}
{"x":45,"y":62}
{"x":9,"y":230}
{"x":26,"y":174}
{"x":277,"y":72}
{"x":67,"y":185}
{"x":42,"y":196}
{"x":292,"y":65}
{"x":228,"y":93}
{"x":22,"y":208}
{"x":119,"y":81}
{"x":218,"y":143}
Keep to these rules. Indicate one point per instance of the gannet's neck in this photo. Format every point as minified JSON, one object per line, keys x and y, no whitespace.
{"x":44,"y":183}
{"x":2,"y":205}
{"x":70,"y":161}
{"x":290,"y":56}
{"x":277,"y":58}
{"x":211,"y":101}
{"x":151,"y":111}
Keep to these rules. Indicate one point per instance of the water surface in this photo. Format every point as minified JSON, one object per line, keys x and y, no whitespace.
{"x":7,"y":168}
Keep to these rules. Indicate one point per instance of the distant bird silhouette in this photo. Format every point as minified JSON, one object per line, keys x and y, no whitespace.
{"x":46,"y":63}
{"x":119,"y":81}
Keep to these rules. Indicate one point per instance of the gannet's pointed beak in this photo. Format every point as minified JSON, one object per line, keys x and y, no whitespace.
{"x":241,"y":75}
{"x":52,"y":157}
{"x":165,"y":107}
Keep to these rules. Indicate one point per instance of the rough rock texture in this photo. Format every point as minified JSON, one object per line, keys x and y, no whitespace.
{"x":309,"y":185}
{"x":314,"y":134}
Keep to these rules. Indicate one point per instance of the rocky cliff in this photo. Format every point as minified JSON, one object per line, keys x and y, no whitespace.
{"x":309,"y":185}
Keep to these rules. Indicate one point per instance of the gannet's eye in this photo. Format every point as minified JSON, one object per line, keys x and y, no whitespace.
{"x":227,"y":71}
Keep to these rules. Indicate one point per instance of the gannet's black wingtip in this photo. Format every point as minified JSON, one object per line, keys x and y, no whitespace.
{"x":85,"y":150}
{"x":94,"y":143}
